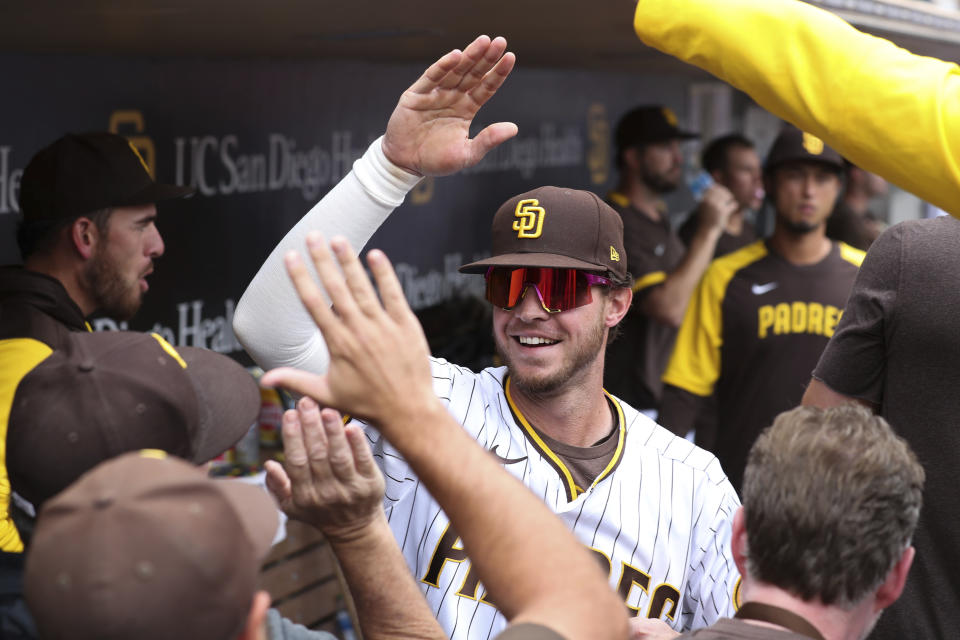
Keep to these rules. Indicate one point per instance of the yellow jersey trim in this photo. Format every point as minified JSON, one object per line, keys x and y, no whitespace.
{"x":166,"y":346}
{"x":20,"y":356}
{"x":695,"y":363}
{"x":652,"y":278}
{"x":572,"y":490}
{"x":851,"y":254}
{"x":622,"y":439}
{"x":618,"y":199}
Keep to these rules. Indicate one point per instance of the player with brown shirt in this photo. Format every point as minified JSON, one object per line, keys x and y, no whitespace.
{"x":761,"y":316}
{"x":664,"y":271}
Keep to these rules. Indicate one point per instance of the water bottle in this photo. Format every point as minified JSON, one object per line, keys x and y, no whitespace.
{"x":699,"y":183}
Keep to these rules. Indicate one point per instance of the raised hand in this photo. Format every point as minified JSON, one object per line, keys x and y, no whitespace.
{"x":329,"y":478}
{"x":429,"y":130}
{"x":379,"y":364}
{"x":717,"y":206}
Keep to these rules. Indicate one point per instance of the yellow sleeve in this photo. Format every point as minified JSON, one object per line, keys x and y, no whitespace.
{"x":19,"y":356}
{"x":695,"y":363}
{"x":887,"y":110}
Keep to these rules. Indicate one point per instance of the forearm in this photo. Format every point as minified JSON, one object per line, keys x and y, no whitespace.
{"x":818,"y":394}
{"x":270,"y":320}
{"x":667,"y":302}
{"x":569,"y":593}
{"x":811,"y":68}
{"x":389,"y":604}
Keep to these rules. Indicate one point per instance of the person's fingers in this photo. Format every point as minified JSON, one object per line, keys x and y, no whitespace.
{"x":295,"y":456}
{"x":485,"y":61}
{"x":394,"y":301}
{"x":278,"y":482}
{"x":332,"y":280}
{"x":362,"y":455}
{"x":493,"y":79}
{"x":340,"y":456}
{"x":300,"y":382}
{"x":391,"y":291}
{"x":309,"y":293}
{"x":472,"y":54}
{"x":490,"y":137}
{"x":314,"y":439}
{"x":356,"y":278}
{"x":436,"y":72}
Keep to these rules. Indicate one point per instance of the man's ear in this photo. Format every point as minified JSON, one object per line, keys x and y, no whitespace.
{"x":618,"y":303}
{"x":84,"y":236}
{"x":892,"y":586}
{"x":255,"y":628}
{"x":738,"y":541}
{"x":632,"y":157}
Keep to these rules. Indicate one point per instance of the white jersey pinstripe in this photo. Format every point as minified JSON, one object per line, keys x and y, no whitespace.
{"x":659,"y":513}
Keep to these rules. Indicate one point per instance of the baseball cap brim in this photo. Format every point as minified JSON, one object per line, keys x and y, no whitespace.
{"x":550,"y":260}
{"x":229,"y":401}
{"x":155,"y":193}
{"x":256,"y":510}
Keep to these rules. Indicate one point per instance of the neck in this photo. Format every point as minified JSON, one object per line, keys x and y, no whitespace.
{"x":833,"y":623}
{"x":577,"y":414}
{"x":68,"y":275}
{"x":801,"y":248}
{"x":641,"y":197}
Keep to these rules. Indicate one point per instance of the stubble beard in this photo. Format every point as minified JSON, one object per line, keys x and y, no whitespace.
{"x":114,"y":297}
{"x":659,"y":183}
{"x":799,"y":228}
{"x":573,"y":365}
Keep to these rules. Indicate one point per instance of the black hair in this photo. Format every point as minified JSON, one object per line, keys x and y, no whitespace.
{"x":715,"y":156}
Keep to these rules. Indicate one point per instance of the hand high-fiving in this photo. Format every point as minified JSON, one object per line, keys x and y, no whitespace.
{"x":429,"y":130}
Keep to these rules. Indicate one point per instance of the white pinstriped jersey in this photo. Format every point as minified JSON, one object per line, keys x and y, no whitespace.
{"x":658,"y":516}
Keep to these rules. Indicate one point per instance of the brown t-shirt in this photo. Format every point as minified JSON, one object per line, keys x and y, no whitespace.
{"x":898,"y":347}
{"x":636,"y":359}
{"x":754,"y":330}
{"x":586,"y":463}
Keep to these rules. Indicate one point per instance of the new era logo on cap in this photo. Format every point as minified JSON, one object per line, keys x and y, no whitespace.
{"x":555,"y":227}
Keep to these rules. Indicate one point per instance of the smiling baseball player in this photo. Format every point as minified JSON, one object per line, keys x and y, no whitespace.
{"x":655,"y":509}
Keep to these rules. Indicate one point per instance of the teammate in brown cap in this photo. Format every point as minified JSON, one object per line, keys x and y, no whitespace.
{"x":665,"y":273}
{"x":557,"y":280}
{"x":761,"y":315}
{"x":88,"y":241}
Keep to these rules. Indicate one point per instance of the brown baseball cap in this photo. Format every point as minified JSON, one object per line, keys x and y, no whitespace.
{"x":794,"y":145}
{"x":81,"y":173}
{"x":111,"y":392}
{"x":147,"y":546}
{"x":556,"y":227}
{"x":649,"y":124}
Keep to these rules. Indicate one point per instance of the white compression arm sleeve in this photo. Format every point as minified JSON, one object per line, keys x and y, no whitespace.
{"x":270,"y":322}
